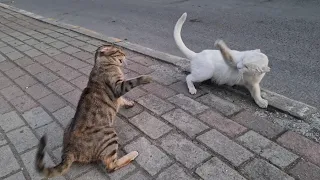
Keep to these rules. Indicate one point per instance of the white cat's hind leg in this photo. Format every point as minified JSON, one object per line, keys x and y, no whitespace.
{"x":190,"y":79}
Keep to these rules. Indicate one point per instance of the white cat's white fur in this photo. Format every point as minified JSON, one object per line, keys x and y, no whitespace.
{"x":225,"y":66}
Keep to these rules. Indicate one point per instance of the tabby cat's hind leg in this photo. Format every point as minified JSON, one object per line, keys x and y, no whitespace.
{"x":113,"y":163}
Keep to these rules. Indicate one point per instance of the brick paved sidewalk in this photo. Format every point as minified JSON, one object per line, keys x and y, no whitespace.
{"x":43,"y":69}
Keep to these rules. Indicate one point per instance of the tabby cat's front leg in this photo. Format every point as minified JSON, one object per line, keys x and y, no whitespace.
{"x":125,"y":86}
{"x":126,"y":103}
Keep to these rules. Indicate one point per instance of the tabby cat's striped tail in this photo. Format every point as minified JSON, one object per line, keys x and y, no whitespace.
{"x":59,"y":169}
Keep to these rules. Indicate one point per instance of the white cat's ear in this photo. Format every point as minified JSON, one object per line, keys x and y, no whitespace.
{"x":257,"y":50}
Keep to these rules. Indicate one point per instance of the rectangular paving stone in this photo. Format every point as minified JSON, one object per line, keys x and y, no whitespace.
{"x":8,"y":162}
{"x":150,"y":157}
{"x":52,"y":52}
{"x":11,"y":92}
{"x":4,"y":106}
{"x":144,"y":60}
{"x":41,"y":46}
{"x":215,"y":169}
{"x":174,"y":172}
{"x":38,"y":91}
{"x":15,"y":72}
{"x":54,"y":134}
{"x":70,"y":49}
{"x":64,"y":115}
{"x":258,"y":124}
{"x":76,"y":64}
{"x":188,"y":104}
{"x":15,"y":43}
{"x":135,"y":93}
{"x":25,"y":81}
{"x":186,"y":152}
{"x":58,"y":44}
{"x":63,"y":57}
{"x":227,"y":148}
{"x":31,"y":42}
{"x":223,"y":124}
{"x":83,"y":55}
{"x":73,"y":97}
{"x":5,"y":82}
{"x":48,"y":40}
{"x":155,"y":104}
{"x":125,"y":131}
{"x":138,"y":68}
{"x":46,"y":77}
{"x":150,"y":125}
{"x":28,"y":161}
{"x":81,"y":82}
{"x":23,"y":103}
{"x":130,"y":112}
{"x":60,"y":86}
{"x":52,"y":102}
{"x":159,"y":90}
{"x":93,"y":174}
{"x":186,"y":123}
{"x":305,"y":171}
{"x":23,"y":47}
{"x":6,"y":65}
{"x":35,"y":68}
{"x":89,"y":48}
{"x":68,"y":73}
{"x":77,"y":43}
{"x":2,"y":58}
{"x":33,"y":53}
{"x":24,"y":61}
{"x":223,"y":106}
{"x":138,"y":176}
{"x":10,"y":120}
{"x":22,"y":139}
{"x":36,"y":117}
{"x":261,"y":169}
{"x":14,"y":55}
{"x":3,"y":140}
{"x":6,"y":49}
{"x":43,"y":59}
{"x":55,"y":34}
{"x":267,"y":149}
{"x":301,"y":145}
{"x":17,"y":176}
{"x":55,"y":66}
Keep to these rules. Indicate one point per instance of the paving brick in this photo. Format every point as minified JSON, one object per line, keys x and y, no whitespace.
{"x":227,"y":148}
{"x":68,"y":73}
{"x":36,"y":117}
{"x":23,"y":37}
{"x":130,"y":112}
{"x":31,"y":32}
{"x":7,"y":39}
{"x":182,"y":88}
{"x":80,"y":82}
{"x":5,"y":82}
{"x":52,"y":102}
{"x":41,"y":46}
{"x":43,"y":59}
{"x":305,"y":171}
{"x":17,"y":176}
{"x":6,"y":49}
{"x":58,"y":44}
{"x":10,"y":120}
{"x":144,"y":60}
{"x":70,"y":49}
{"x":65,"y":39}
{"x":139,"y":68}
{"x":3,"y":140}
{"x":46,"y":77}
{"x":223,"y":106}
{"x":185,"y":151}
{"x":28,"y":161}
{"x":33,"y":53}
{"x":163,"y":78}
{"x":89,"y":48}
{"x":38,"y":91}
{"x":83,"y":55}
{"x":76,"y":64}
{"x":35,"y":68}
{"x":267,"y":149}
{"x":15,"y":43}
{"x":25,"y":81}
{"x":64,"y":115}
{"x":155,"y":104}
{"x":11,"y":92}
{"x":60,"y":86}
{"x":215,"y":169}
{"x":130,"y":74}
{"x":135,"y":93}
{"x":24,"y":61}
{"x":14,"y":55}
{"x":23,"y":103}
{"x":23,"y":47}
{"x":174,"y":172}
{"x":55,"y":66}
{"x":6,"y":65}
{"x":188,"y":104}
{"x":223,"y":124}
{"x":151,"y":158}
{"x":260,"y":169}
{"x":48,"y":40}
{"x":63,"y":57}
{"x":301,"y":145}
{"x":52,"y":52}
{"x":55,"y":34}
{"x":258,"y":124}
{"x":54,"y":134}
{"x":125,"y":131}
{"x":73,"y":97}
{"x":150,"y":125}
{"x":31,"y":42}
{"x":4,"y":106}
{"x":118,"y":174}
{"x":77,"y":43}
{"x":186,"y":123}
{"x":22,"y":139}
{"x":2,"y":58}
{"x":93,"y":174}
{"x":138,"y":176}
{"x":159,"y":90}
{"x":8,"y":162}
{"x":15,"y":72}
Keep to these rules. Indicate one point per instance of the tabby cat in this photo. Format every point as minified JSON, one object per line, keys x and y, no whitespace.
{"x":91,"y":136}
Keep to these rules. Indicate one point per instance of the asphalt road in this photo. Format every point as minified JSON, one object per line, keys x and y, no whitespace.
{"x":288,"y":31}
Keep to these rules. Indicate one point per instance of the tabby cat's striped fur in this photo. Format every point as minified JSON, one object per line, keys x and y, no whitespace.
{"x":91,"y":136}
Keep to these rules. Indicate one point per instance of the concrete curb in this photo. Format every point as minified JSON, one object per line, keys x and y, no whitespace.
{"x":280,"y":102}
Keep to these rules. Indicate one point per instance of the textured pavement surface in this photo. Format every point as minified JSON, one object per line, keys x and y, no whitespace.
{"x":211,"y":136}
{"x":288,"y":31}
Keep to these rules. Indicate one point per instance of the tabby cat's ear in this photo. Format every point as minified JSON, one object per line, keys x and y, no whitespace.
{"x":108,"y":50}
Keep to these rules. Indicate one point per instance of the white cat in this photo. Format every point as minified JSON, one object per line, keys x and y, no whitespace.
{"x":225,"y":66}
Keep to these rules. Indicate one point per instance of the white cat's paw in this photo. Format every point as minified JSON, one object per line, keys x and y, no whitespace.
{"x":262,"y":103}
{"x":192,"y":91}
